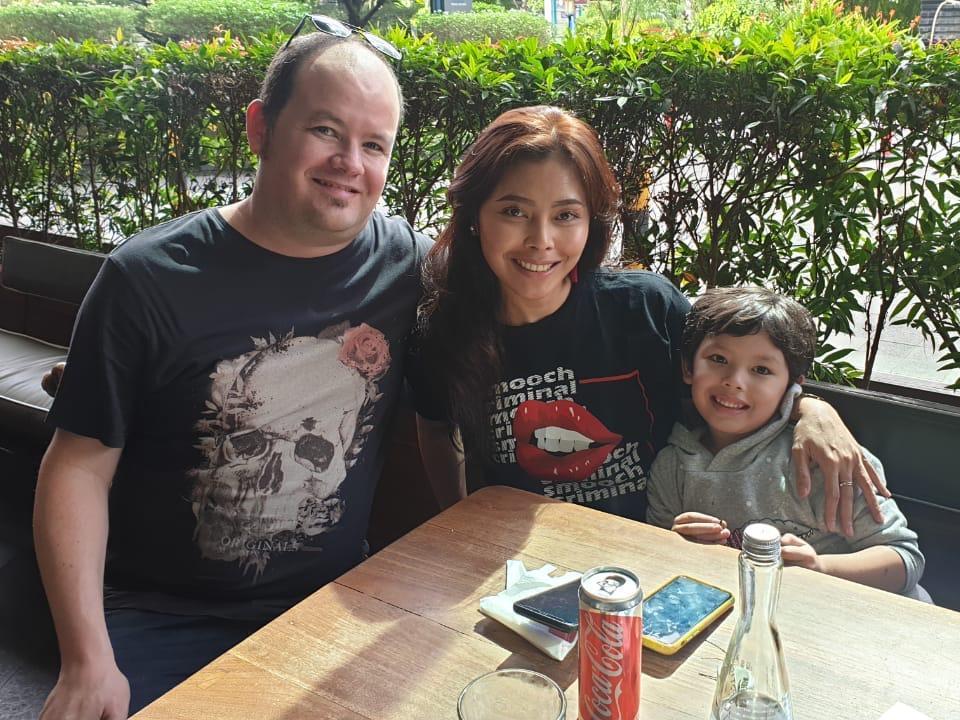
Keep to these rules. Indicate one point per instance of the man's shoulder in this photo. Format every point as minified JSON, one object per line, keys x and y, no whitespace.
{"x":158,"y":240}
{"x":395,"y":236}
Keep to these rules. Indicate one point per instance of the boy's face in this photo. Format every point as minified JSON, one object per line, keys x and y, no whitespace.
{"x":737,"y":384}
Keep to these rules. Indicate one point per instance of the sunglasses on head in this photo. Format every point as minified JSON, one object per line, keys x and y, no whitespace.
{"x":334,"y":27}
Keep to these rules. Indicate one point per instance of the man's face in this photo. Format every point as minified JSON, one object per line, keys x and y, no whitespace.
{"x":324,"y":163}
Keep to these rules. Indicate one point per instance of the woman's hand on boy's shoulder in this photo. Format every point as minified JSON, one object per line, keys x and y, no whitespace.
{"x":821,"y":438}
{"x":701,"y":528}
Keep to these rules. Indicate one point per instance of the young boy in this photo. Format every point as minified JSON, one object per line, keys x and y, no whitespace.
{"x":744,"y":353}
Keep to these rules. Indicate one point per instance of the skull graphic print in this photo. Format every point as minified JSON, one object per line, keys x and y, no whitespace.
{"x":282,"y":425}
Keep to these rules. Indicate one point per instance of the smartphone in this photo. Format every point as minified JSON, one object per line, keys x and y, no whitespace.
{"x":673,"y":614}
{"x":557,"y":608}
{"x":679,"y":610}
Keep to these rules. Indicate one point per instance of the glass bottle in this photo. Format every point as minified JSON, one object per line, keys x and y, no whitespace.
{"x":753,"y":681}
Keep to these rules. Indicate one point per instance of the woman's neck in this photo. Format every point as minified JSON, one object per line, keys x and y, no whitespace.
{"x":522,"y":311}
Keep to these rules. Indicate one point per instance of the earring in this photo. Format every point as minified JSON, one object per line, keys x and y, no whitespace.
{"x":473,"y":230}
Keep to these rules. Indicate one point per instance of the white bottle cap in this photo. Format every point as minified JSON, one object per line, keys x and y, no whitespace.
{"x":762,"y":542}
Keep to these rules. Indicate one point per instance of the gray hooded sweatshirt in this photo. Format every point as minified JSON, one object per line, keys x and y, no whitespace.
{"x":751,"y":480}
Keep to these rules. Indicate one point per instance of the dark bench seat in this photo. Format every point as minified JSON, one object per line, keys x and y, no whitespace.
{"x":23,"y":403}
{"x":917,"y":441}
{"x":42,"y":288}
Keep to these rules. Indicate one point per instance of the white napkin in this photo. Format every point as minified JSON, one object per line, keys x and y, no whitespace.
{"x":903,"y":712}
{"x":522,"y":583}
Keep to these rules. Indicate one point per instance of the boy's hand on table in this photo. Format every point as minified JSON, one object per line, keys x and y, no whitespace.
{"x":795,"y":551}
{"x":701,"y":528}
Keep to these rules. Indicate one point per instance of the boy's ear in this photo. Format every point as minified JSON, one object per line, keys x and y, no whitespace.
{"x":687,"y":373}
{"x":800,"y":380}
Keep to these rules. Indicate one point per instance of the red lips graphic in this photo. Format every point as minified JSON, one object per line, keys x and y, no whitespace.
{"x":576,"y":466}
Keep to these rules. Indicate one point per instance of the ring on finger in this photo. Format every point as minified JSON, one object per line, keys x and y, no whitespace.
{"x":848,"y":483}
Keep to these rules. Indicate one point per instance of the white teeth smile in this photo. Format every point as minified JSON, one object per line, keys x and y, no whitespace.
{"x":555,"y":439}
{"x":730,"y":404}
{"x":534,"y":268}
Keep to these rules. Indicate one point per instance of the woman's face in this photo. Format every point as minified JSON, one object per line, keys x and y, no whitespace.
{"x":533,"y":228}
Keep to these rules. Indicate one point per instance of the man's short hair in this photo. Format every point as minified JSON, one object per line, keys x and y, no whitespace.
{"x":280,"y":79}
{"x":747,"y":311}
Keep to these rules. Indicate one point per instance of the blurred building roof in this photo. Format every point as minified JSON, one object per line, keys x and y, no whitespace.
{"x":948,"y":22}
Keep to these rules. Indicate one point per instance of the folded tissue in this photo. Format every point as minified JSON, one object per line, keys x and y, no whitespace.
{"x":522,"y":583}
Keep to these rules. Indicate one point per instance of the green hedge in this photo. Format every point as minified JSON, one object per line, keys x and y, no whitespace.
{"x":51,"y":21}
{"x":479,"y":6}
{"x":486,"y":25}
{"x":820,"y":158}
{"x":134,"y":4}
{"x":199,"y":19}
{"x":162,"y":19}
{"x":395,"y":13}
{"x":102,"y":140}
{"x":611,"y":16}
{"x":740,"y":14}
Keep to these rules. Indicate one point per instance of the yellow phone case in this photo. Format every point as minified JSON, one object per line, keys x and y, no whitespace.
{"x":665,"y":649}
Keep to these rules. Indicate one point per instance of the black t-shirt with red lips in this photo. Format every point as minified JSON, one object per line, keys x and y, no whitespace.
{"x":589,"y":394}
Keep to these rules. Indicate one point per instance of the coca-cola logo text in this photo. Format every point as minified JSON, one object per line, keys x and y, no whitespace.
{"x":602,"y":640}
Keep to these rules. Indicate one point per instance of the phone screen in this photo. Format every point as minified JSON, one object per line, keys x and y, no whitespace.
{"x":675,"y":609}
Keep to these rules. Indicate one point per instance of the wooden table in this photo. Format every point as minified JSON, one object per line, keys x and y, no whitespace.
{"x":400,"y":635}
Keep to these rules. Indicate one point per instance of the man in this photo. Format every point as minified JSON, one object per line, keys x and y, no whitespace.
{"x":225,"y":394}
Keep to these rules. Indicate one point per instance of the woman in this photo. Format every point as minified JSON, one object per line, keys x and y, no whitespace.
{"x":560,"y":377}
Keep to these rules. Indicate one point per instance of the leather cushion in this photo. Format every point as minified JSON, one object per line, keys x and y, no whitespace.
{"x":23,"y":403}
{"x":50,"y":271}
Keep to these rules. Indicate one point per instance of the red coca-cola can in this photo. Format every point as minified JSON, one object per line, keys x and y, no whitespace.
{"x":611,"y":635}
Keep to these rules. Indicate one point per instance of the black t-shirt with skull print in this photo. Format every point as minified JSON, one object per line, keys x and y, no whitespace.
{"x":248,"y":391}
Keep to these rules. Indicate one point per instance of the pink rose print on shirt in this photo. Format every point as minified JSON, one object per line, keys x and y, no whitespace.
{"x":365,"y":349}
